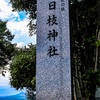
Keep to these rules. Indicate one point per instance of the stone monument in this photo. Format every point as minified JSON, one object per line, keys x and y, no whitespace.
{"x":53,"y":75}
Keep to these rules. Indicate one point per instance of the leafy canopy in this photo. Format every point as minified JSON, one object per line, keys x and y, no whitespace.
{"x":23,"y":68}
{"x":6,"y":47}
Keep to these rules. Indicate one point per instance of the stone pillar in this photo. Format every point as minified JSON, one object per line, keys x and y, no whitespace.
{"x":53,"y":75}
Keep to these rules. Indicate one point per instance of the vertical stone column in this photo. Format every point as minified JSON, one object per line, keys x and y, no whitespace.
{"x":53,"y":75}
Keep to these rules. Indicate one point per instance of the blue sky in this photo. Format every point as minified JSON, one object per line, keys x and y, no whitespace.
{"x":5,"y":88}
{"x":17,"y":24}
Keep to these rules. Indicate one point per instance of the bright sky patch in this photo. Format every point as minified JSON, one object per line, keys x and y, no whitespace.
{"x":17,"y":23}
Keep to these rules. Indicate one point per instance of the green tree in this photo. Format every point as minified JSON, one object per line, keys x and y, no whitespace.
{"x":84,"y":24}
{"x":23,"y":68}
{"x":30,"y":94}
{"x":6,"y":47}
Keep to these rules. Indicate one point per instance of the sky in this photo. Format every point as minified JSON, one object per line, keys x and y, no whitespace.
{"x":17,"y":24}
{"x":5,"y":88}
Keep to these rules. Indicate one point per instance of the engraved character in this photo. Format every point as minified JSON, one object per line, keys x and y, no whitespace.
{"x":52,"y":51}
{"x":62,"y":9}
{"x":52,"y":5}
{"x":52,"y":34}
{"x":62,"y":6}
{"x":52,"y":20}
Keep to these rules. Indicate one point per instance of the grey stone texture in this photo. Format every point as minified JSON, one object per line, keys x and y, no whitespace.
{"x":53,"y":69}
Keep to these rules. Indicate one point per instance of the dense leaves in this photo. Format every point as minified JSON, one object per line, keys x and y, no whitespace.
{"x":6,"y":47}
{"x":84,"y":24}
{"x":23,"y":68}
{"x":91,"y":80}
{"x":30,"y":94}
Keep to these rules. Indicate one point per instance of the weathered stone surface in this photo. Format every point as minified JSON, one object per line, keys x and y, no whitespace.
{"x":53,"y":50}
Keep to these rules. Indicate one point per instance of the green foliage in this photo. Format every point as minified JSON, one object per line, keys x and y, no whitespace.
{"x":84,"y":24}
{"x":23,"y":68}
{"x":30,"y":94}
{"x":6,"y":47}
{"x":97,"y":42}
{"x":91,"y":80}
